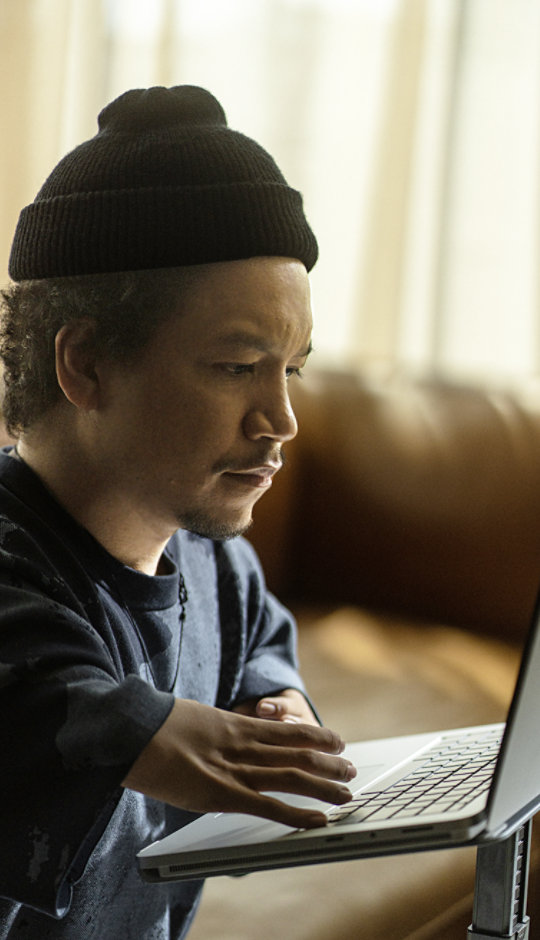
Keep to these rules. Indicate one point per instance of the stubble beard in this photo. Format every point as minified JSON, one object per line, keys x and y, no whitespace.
{"x":200,"y":523}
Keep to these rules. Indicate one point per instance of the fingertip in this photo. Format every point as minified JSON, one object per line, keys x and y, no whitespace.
{"x":266,"y":709}
{"x":337,"y":742}
{"x":351,"y":771}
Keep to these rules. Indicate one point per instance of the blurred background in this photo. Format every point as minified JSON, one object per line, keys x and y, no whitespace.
{"x":410,"y":126}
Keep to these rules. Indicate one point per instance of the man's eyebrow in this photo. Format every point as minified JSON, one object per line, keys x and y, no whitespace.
{"x":242,"y":338}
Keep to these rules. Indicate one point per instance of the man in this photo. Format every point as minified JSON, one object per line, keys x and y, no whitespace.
{"x":159,"y":308}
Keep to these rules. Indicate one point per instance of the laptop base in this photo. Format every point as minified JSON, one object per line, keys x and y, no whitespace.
{"x":500,"y":893}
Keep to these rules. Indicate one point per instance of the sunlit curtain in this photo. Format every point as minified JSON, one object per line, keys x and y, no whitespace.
{"x":411,"y":126}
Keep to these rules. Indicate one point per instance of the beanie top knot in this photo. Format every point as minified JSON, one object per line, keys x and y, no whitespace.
{"x":141,"y":109}
{"x":165,"y":182}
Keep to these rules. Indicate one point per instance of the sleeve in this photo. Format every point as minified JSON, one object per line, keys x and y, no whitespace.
{"x":271,"y":663}
{"x":268,"y":651}
{"x":71,"y":728}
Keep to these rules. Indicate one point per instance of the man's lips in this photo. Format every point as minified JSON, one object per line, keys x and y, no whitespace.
{"x":259,"y":477}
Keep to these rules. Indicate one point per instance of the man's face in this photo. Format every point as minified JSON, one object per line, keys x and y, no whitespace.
{"x":194,"y":428}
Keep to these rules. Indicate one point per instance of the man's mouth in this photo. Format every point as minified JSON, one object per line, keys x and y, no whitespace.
{"x":257,"y":477}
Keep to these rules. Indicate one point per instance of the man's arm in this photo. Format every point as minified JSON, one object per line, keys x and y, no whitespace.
{"x":205,"y":759}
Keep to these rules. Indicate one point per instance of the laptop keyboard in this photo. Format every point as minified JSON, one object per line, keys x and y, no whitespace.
{"x":442,"y":780}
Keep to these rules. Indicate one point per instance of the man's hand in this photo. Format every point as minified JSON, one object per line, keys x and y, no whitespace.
{"x":208,"y":760}
{"x":289,"y":705}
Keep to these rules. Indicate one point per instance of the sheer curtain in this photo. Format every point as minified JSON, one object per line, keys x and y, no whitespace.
{"x":411,"y":126}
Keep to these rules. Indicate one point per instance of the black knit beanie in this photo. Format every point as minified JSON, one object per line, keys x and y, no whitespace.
{"x":165,"y":182}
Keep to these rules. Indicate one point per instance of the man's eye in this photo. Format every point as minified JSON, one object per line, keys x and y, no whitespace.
{"x":247,"y":368}
{"x":238,"y":368}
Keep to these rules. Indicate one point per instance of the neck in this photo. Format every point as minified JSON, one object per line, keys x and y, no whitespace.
{"x":95,"y":497}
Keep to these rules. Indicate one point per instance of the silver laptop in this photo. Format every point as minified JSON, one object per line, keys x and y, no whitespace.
{"x":425,"y":791}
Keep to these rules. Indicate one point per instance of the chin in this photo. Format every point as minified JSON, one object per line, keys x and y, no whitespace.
{"x":220,"y":530}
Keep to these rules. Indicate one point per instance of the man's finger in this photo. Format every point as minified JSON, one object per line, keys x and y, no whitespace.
{"x":290,"y":780}
{"x":307,"y":760}
{"x":300,"y":736}
{"x":274,"y":810}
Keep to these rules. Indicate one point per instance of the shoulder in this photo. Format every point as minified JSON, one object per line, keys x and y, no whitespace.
{"x":40,"y":545}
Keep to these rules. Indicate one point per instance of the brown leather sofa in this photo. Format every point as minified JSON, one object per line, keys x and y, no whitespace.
{"x":405,"y":535}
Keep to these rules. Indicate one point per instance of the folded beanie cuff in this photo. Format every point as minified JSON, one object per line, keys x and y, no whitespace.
{"x":112,"y":230}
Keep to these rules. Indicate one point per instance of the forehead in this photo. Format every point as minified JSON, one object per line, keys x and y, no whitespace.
{"x":257,"y":302}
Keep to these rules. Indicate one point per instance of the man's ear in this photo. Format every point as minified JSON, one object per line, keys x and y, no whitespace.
{"x":76,"y":363}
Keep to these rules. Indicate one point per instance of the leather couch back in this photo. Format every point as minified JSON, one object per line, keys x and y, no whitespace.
{"x":416,"y":497}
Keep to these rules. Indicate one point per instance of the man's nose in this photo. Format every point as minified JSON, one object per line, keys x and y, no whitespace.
{"x":273,"y":418}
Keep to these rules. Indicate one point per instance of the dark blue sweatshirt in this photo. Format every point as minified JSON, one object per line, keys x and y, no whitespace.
{"x":92,"y":654}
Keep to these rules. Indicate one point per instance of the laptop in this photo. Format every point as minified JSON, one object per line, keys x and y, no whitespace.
{"x":416,"y":792}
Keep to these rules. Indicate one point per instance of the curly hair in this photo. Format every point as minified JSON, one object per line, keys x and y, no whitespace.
{"x":127,"y":307}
